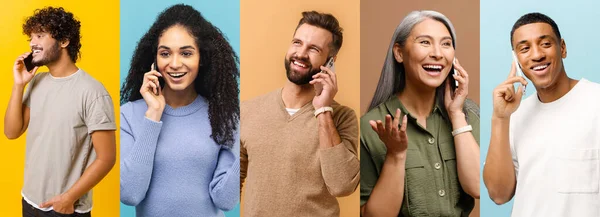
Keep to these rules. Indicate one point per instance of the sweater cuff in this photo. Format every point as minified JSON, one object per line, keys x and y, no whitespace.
{"x":145,"y":146}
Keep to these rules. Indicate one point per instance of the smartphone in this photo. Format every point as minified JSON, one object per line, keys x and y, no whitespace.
{"x":519,"y":70}
{"x":454,"y":73}
{"x":331,"y":66}
{"x":161,"y":81}
{"x":28,"y":64}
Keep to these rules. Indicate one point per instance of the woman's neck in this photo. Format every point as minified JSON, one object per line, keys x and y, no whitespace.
{"x":418,"y":101}
{"x":177,"y":99}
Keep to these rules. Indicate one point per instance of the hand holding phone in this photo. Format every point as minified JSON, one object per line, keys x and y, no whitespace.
{"x":152,"y":94}
{"x":23,"y":69}
{"x":330,"y":65}
{"x":506,"y":99}
{"x":519,"y":70}
{"x":28,"y":62}
{"x":325,"y":85}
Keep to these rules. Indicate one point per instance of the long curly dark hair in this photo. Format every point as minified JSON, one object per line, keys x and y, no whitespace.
{"x":61,"y":25}
{"x":218,"y":74}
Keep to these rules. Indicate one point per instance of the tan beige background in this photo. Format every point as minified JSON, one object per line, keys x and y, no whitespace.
{"x":379,"y":19}
{"x":267,"y":28}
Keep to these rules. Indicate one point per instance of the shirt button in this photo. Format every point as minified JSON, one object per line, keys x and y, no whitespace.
{"x":438,"y":166}
{"x":431,"y":140}
{"x":442,"y":193}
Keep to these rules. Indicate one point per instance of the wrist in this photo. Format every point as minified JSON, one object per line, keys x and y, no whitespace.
{"x":153,"y":114}
{"x":456,"y":115}
{"x":69,"y":197}
{"x":323,"y":110}
{"x":500,"y":120}
{"x":396,"y":157}
{"x":18,"y":86}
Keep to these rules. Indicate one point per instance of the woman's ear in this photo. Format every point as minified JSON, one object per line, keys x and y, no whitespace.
{"x":397,"y":50}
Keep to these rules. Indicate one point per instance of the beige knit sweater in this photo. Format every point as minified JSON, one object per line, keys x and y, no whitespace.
{"x":285,"y":171}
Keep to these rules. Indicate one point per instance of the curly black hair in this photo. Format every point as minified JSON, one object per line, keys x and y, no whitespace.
{"x":61,"y":24}
{"x":218,"y":74}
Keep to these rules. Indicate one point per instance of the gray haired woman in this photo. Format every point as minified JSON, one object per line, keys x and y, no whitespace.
{"x":423,"y":159}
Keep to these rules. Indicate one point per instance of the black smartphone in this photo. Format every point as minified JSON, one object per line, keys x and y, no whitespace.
{"x":161,"y":80}
{"x":28,"y":64}
{"x":453,"y":82}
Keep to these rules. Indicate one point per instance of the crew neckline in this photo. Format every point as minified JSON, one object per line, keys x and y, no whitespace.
{"x":564,"y":99}
{"x":196,"y":105}
{"x":66,"y":77}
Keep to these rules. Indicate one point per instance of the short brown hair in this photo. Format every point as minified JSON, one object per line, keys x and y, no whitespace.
{"x":327,"y":22}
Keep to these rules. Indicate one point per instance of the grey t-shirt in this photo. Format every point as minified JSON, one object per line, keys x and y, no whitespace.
{"x":64,"y":112}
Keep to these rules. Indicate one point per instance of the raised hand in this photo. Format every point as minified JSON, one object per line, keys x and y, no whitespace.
{"x":152,"y":94}
{"x":454,"y":103}
{"x":506,"y":100}
{"x":327,"y":81}
{"x":394,"y":138}
{"x":20,"y":74}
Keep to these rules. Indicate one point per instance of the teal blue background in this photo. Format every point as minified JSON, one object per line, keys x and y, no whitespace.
{"x":138,"y":16}
{"x":578,"y":25}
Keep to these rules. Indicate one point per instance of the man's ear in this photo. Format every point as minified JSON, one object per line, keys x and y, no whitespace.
{"x":64,"y":43}
{"x":563,"y":48}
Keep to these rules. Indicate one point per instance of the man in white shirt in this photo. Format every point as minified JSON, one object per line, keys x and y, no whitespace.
{"x":545,"y":150}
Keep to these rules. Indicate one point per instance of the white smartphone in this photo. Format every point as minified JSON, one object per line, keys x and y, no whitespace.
{"x":331,"y":66}
{"x":453,"y":64}
{"x":519,"y":70}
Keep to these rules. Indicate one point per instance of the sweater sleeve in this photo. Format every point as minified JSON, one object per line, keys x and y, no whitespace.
{"x":137,"y":156}
{"x":339,"y":164}
{"x":226,"y":178}
{"x":243,"y":164}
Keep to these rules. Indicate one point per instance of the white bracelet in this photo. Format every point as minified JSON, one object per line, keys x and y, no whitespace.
{"x":323,"y":109}
{"x":467,"y":128}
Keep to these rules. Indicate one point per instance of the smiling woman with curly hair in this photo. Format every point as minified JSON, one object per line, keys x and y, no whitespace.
{"x":179,"y":119}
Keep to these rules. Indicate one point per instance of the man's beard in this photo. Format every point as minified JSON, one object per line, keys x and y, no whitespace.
{"x":51,"y":55}
{"x":296,"y":77}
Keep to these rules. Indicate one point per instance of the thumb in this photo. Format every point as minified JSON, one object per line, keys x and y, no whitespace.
{"x":47,"y":204}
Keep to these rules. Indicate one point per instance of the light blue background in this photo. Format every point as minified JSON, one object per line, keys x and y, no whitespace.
{"x":138,"y":16}
{"x":578,"y":25}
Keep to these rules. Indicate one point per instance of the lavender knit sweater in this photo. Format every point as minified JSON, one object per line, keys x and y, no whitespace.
{"x":173,"y":167}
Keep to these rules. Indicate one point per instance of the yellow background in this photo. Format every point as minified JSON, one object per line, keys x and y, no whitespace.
{"x":99,"y":57}
{"x":267,"y":28}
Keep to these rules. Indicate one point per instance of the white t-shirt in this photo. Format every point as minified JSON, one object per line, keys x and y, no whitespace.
{"x":556,"y":153}
{"x":292,"y":111}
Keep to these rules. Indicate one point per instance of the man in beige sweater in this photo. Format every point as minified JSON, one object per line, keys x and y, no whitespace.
{"x":298,"y":146}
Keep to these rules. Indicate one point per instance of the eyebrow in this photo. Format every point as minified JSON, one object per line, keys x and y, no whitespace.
{"x":541,"y":37}
{"x":181,"y":48}
{"x":310,"y":45}
{"x":428,"y":36}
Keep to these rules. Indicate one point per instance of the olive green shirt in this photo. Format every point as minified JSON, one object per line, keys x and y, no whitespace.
{"x":431,"y":186}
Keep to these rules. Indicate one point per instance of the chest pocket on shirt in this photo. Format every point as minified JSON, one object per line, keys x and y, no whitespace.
{"x":578,"y":170}
{"x":415,"y":185}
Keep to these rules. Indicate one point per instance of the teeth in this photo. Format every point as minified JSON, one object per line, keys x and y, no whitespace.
{"x":432,"y":66}
{"x":37,"y":51}
{"x":540,"y":67}
{"x":177,"y":74}
{"x":299,"y":64}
